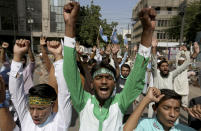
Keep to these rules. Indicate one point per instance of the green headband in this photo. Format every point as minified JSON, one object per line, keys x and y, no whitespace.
{"x":103,"y":71}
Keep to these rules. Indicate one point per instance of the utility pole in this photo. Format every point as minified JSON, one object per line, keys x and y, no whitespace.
{"x":182,"y":13}
{"x":30,"y":22}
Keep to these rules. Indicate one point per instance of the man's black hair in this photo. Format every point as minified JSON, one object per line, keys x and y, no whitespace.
{"x":161,"y":62}
{"x":169,"y":94}
{"x":43,"y":91}
{"x":126,"y":66}
{"x":102,"y":65}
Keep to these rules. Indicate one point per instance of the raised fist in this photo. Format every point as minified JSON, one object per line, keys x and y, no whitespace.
{"x":196,"y":48}
{"x":2,"y":90}
{"x":115,"y":48}
{"x":154,"y":94}
{"x":42,"y":40}
{"x":5,"y":45}
{"x":55,"y":48}
{"x":70,"y":12}
{"x":21,"y":47}
{"x":135,"y":48}
{"x":147,"y":17}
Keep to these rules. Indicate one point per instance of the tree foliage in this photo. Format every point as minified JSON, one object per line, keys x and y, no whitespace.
{"x":192,"y":22}
{"x":87,"y":27}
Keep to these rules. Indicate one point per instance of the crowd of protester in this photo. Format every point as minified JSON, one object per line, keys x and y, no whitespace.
{"x":101,"y":87}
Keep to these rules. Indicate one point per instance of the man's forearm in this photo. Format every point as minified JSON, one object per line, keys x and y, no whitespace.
{"x":31,"y":56}
{"x":70,"y":31}
{"x":3,"y":55}
{"x":146,"y":38}
{"x":6,"y":123}
{"x":132,"y":122}
{"x":194,"y":55}
{"x":154,"y":50}
{"x":116,"y":65}
{"x":45,"y":58}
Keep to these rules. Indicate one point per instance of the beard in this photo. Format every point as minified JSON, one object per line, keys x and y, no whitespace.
{"x":164,"y":75}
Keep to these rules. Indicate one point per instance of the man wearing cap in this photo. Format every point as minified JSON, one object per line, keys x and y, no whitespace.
{"x":104,"y":111}
{"x":163,"y":79}
{"x":181,"y":84}
{"x":36,"y":111}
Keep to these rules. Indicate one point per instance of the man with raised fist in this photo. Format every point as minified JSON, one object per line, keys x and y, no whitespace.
{"x":104,"y":111}
{"x":36,"y":111}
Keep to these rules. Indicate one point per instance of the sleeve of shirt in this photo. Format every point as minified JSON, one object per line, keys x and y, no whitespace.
{"x":31,"y":67}
{"x":64,"y":103}
{"x":154,"y":65}
{"x":72,"y":75}
{"x":16,"y":88}
{"x":136,"y":80}
{"x":181,"y":68}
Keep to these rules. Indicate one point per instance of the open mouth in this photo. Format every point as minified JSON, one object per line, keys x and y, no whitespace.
{"x":36,"y":121}
{"x":104,"y":90}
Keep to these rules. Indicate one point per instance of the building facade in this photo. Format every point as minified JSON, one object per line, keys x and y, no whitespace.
{"x":165,"y":9}
{"x":31,"y":19}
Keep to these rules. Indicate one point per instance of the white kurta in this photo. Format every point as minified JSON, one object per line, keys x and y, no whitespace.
{"x":166,"y":83}
{"x":55,"y":122}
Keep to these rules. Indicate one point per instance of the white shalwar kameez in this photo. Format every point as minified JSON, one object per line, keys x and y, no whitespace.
{"x":59,"y":121}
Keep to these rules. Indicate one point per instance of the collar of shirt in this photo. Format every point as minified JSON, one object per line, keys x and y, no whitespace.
{"x":157,"y":125}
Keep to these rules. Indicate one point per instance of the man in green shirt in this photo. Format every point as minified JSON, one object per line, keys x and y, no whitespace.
{"x":104,"y":111}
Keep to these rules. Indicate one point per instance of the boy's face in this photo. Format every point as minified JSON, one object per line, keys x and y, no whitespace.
{"x":40,"y":114}
{"x":167,"y":112}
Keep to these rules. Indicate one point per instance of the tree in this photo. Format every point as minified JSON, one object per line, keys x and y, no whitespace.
{"x":89,"y":21}
{"x":192,"y":22}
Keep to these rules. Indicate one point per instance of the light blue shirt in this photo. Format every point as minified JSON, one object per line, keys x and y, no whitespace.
{"x":151,"y":124}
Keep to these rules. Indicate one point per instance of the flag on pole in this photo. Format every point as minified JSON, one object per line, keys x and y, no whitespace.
{"x":125,"y":40}
{"x":114,"y":38}
{"x":104,"y":37}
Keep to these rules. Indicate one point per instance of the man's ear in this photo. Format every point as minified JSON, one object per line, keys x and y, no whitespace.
{"x":92,"y":85}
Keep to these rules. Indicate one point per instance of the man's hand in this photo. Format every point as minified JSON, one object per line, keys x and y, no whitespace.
{"x":42,"y":41}
{"x":56,"y":49}
{"x":21,"y":47}
{"x":196,"y":48}
{"x":70,"y":12}
{"x":154,"y":94}
{"x":2,"y":90}
{"x":108,"y":50}
{"x":94,"y":49}
{"x":195,"y":111}
{"x":5,"y":45}
{"x":154,"y":42}
{"x":115,"y":49}
{"x":135,"y":48}
{"x":147,"y":17}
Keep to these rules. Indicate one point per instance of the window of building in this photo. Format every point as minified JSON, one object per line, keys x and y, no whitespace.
{"x":157,"y":10}
{"x":159,"y":23}
{"x":158,"y":35}
{"x":6,"y":23}
{"x":169,"y":10}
